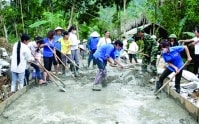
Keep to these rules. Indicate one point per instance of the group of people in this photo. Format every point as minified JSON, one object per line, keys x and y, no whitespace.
{"x":58,"y":48}
{"x":62,"y":47}
{"x":170,"y":51}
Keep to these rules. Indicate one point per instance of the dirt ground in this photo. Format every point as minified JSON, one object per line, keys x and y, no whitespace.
{"x":128,"y":98}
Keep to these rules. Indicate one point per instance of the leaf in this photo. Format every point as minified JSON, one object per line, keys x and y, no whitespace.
{"x":191,"y":34}
{"x":38,"y":23}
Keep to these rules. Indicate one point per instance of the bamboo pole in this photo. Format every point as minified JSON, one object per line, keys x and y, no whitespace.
{"x":69,"y":59}
{"x":61,"y":62}
{"x":51,"y":76}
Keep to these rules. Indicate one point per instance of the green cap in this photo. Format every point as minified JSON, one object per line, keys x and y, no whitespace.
{"x":172,"y":36}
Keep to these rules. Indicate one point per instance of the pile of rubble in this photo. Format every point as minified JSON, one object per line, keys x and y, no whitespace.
{"x":5,"y":75}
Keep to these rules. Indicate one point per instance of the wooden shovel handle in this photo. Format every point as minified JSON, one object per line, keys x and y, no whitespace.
{"x":171,"y":78}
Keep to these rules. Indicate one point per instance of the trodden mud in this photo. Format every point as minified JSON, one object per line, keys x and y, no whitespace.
{"x":128,"y":98}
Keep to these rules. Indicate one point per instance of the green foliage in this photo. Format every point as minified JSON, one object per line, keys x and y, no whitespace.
{"x":38,"y":23}
{"x":49,"y":22}
{"x":176,"y":16}
{"x":95,"y":15}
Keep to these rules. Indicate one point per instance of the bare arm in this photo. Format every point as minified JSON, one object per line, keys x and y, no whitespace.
{"x":193,"y":43}
{"x":112,"y":64}
{"x":117,"y":62}
{"x":187,"y":53}
{"x":42,"y":45}
{"x":186,"y":41}
{"x":173,"y":66}
{"x":110,"y":61}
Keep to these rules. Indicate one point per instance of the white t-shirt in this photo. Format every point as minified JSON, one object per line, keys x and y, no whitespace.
{"x":25,"y":56}
{"x":125,"y":44}
{"x":133,"y":48}
{"x":33,"y":47}
{"x":74,"y":41}
{"x":196,"y":46}
{"x":103,"y":41}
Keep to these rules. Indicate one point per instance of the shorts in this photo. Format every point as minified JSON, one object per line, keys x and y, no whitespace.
{"x":48,"y":62}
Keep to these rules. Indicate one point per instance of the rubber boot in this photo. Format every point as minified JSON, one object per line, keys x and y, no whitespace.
{"x":177,"y":88}
{"x":158,"y":85}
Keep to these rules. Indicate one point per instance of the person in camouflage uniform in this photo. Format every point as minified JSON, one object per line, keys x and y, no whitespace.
{"x":150,"y":52}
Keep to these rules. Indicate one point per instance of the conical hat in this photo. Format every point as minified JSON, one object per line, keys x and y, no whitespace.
{"x":95,"y":34}
{"x":58,"y":28}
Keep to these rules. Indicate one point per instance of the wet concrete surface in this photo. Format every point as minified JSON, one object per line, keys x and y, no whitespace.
{"x":127,"y":99}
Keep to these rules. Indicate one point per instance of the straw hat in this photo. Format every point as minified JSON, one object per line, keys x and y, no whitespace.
{"x":58,"y":28}
{"x":94,"y":34}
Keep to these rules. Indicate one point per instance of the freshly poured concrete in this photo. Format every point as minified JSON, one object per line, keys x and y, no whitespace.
{"x":128,"y":98}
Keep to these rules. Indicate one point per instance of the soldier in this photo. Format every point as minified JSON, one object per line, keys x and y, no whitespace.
{"x":150,"y":52}
{"x":173,"y":40}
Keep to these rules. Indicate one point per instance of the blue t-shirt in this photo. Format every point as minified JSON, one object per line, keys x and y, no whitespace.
{"x":57,"y":43}
{"x":174,"y":57}
{"x":46,"y":51}
{"x":105,"y":51}
{"x":92,"y":43}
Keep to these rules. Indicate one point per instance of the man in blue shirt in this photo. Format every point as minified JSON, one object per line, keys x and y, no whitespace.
{"x":103,"y":55}
{"x":172,"y":56}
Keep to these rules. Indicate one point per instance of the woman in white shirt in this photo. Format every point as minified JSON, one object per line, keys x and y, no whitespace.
{"x":35,"y":51}
{"x":74,"y":48}
{"x":20,"y":56}
{"x":104,"y":40}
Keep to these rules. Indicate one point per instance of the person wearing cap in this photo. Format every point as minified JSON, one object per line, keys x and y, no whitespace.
{"x":65,"y":50}
{"x":102,"y":55}
{"x":132,"y":50}
{"x":92,"y":46}
{"x":172,"y":57}
{"x":21,"y":55}
{"x":105,"y":39}
{"x":150,"y":52}
{"x":173,"y":40}
{"x":57,"y":62}
{"x":74,"y":48}
{"x":195,"y":42}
